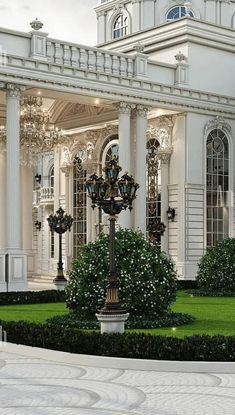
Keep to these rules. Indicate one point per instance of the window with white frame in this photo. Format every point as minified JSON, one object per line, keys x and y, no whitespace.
{"x":120,"y":26}
{"x":177,"y":12}
{"x":217,"y":186}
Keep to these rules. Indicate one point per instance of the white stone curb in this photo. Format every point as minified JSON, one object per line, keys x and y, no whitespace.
{"x":119,"y":363}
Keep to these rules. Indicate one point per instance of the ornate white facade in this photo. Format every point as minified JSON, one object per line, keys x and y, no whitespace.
{"x":158,"y":91}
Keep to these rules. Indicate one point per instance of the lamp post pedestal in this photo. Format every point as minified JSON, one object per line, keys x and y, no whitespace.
{"x":112,"y":323}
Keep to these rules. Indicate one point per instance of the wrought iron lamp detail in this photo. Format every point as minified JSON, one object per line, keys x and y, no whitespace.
{"x":171,"y":214}
{"x":112,"y":195}
{"x":38,"y":225}
{"x":60,"y":223}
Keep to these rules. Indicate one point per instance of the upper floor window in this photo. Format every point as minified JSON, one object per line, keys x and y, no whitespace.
{"x":120,"y":26}
{"x":52,"y":177}
{"x":177,"y":12}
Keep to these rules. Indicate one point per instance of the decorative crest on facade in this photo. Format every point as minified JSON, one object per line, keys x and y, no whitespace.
{"x":218,"y":123}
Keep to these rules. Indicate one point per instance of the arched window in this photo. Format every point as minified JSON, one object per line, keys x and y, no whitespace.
{"x":52,"y":177}
{"x":112,"y":152}
{"x":217,"y":186}
{"x":120,"y":26}
{"x":177,"y":12}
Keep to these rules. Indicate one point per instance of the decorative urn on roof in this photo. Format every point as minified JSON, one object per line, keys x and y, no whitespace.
{"x":36,"y":24}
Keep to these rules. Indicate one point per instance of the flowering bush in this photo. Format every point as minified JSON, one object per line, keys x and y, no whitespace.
{"x":148,"y":281}
{"x":217,"y":268}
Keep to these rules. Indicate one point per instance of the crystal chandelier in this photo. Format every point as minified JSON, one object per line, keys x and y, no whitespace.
{"x":36,"y":132}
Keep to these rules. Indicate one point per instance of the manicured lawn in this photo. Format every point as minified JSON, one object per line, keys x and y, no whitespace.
{"x":32,"y":312}
{"x":213,"y":315}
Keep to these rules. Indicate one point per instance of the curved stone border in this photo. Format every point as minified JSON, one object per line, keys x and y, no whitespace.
{"x":120,"y":363}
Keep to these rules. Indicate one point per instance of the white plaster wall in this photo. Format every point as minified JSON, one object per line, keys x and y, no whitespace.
{"x":211,"y":69}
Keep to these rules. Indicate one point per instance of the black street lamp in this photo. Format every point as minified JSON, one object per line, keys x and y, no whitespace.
{"x":60,"y":223}
{"x":112,"y":195}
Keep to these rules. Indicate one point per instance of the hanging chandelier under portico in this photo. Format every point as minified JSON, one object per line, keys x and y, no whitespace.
{"x":37,"y":134}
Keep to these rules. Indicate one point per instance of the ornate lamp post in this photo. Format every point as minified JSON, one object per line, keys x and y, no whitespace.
{"x":112,"y":195}
{"x":60,"y":223}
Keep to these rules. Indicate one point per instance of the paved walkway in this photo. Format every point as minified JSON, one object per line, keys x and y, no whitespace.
{"x":56,"y":384}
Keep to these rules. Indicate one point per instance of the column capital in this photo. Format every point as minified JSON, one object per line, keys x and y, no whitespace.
{"x":14,"y":90}
{"x":124,"y":107}
{"x":142,"y":110}
{"x":165,"y":155}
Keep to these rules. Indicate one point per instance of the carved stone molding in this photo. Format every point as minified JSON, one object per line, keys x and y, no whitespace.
{"x":124,"y":108}
{"x":217,"y":123}
{"x":14,"y":90}
{"x":142,"y":111}
{"x":164,"y":154}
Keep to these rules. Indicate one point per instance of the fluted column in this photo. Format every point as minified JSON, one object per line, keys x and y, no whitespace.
{"x":140,"y":173}
{"x":13,"y":167}
{"x":125,"y":152}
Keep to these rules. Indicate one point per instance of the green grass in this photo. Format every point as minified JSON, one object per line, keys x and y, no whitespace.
{"x":213,"y":315}
{"x":32,"y":312}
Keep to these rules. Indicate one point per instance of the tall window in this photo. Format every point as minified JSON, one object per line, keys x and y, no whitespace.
{"x":217,"y":172}
{"x":177,"y":12}
{"x":153,"y":178}
{"x":79,"y":207}
{"x":52,"y":177}
{"x":120,"y":26}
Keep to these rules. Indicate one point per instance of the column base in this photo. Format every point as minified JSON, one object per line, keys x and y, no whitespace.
{"x":112,"y":323}
{"x":15,"y":272}
{"x":3,"y":285}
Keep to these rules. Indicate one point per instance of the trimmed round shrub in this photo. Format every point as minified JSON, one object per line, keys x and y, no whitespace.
{"x":148,"y":282}
{"x":217,"y":267}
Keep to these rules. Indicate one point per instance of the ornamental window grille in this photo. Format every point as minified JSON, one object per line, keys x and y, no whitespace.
{"x":120,"y":26}
{"x":177,"y":12}
{"x":153,"y":182}
{"x":217,"y":186}
{"x":79,"y":207}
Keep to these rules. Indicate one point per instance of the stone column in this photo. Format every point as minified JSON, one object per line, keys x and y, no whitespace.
{"x":17,"y":261}
{"x":3,"y":200}
{"x":27,"y":215}
{"x":141,"y":165}
{"x":165,"y":159}
{"x":125,"y":152}
{"x":2,"y":219}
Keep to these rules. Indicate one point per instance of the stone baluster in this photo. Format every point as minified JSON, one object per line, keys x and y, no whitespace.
{"x":130,"y":67}
{"x":66,"y":56}
{"x":115,"y":65}
{"x":83,"y":58}
{"x":74,"y":56}
{"x":123,"y":66}
{"x":107,"y":63}
{"x":58,"y":57}
{"x":99,"y":62}
{"x":91,"y":60}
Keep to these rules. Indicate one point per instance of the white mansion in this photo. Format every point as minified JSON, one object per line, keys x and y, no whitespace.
{"x":158,"y":91}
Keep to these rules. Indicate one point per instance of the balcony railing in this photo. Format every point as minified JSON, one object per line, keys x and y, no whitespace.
{"x":43,"y":196}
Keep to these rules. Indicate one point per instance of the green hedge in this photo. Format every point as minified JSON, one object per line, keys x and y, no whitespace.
{"x":32,"y":297}
{"x":128,"y":345}
{"x":187,"y":285}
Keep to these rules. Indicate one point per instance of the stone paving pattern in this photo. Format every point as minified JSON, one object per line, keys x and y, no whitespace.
{"x":32,"y":386}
